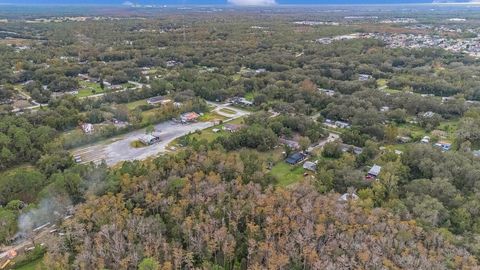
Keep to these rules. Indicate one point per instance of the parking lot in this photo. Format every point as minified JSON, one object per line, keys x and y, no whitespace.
{"x":117,"y":149}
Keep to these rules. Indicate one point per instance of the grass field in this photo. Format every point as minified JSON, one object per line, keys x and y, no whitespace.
{"x":228,"y":111}
{"x":287,"y":174}
{"x":89,"y":88}
{"x":210,"y":116}
{"x":135,"y":104}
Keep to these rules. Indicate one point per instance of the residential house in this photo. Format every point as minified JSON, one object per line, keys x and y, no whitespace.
{"x":310,"y":166}
{"x":351,"y":148}
{"x":364,"y":77}
{"x":327,"y":92}
{"x":404,"y":139}
{"x":443,"y":145}
{"x":158,"y":100}
{"x":342,"y":124}
{"x":189,"y":117}
{"x":232,"y":127}
{"x":242,"y":101}
{"x":428,"y":114}
{"x":290,"y":143}
{"x":425,"y":139}
{"x":296,"y":158}
{"x":374,"y":172}
{"x":348,"y":197}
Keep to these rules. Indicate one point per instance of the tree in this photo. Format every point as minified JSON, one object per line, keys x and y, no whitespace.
{"x":149,"y":129}
{"x":149,"y":264}
{"x":332,"y":150}
{"x":391,"y":133}
{"x":304,"y":143}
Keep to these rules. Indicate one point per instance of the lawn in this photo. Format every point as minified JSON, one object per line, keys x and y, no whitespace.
{"x":228,"y":111}
{"x":287,"y":174}
{"x":89,"y":88}
{"x":210,"y":116}
{"x":135,"y":104}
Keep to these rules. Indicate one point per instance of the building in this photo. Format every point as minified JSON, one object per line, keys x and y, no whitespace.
{"x":351,"y":149}
{"x":428,"y":114}
{"x":342,"y":124}
{"x":232,"y":127}
{"x":310,"y":166}
{"x":150,"y":139}
{"x":348,"y":197}
{"x":327,"y":92}
{"x":374,"y":172}
{"x":425,"y":139}
{"x":242,"y":101}
{"x":444,"y":146}
{"x":364,"y":77}
{"x":296,"y":158}
{"x":404,"y":139}
{"x":292,"y":144}
{"x":87,"y":128}
{"x":189,"y":117}
{"x":158,"y":100}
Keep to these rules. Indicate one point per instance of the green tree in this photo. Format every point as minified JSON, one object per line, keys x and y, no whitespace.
{"x":149,"y":264}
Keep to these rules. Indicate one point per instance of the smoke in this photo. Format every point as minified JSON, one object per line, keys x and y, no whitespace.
{"x":48,"y":210}
{"x":253,"y":2}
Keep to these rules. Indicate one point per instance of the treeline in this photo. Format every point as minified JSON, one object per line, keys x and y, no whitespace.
{"x":193,"y":210}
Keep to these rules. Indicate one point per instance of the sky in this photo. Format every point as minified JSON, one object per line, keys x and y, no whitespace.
{"x":220,"y":2}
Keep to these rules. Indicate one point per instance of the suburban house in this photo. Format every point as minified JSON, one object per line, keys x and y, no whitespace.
{"x":428,"y":114}
{"x":158,"y":100}
{"x":327,"y":92}
{"x":172,"y":63}
{"x":374,"y":172}
{"x":404,"y":139}
{"x":296,"y":158}
{"x":364,"y":77}
{"x":87,"y":128}
{"x":241,"y":101}
{"x":189,"y":117}
{"x":232,"y":127}
{"x":342,"y":124}
{"x":351,"y":148}
{"x":289,"y":143}
{"x":150,"y":139}
{"x":348,"y":197}
{"x":425,"y":139}
{"x":310,"y":166}
{"x":445,"y":146}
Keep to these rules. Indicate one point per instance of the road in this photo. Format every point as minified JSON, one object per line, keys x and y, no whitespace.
{"x":331,"y":138}
{"x":118,"y":149}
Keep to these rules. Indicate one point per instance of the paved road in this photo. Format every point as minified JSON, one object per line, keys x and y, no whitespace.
{"x":119,"y":148}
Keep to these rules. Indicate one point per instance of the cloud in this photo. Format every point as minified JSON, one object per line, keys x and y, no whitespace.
{"x":127,"y":3}
{"x":252,"y":2}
